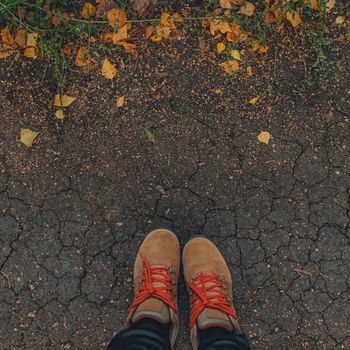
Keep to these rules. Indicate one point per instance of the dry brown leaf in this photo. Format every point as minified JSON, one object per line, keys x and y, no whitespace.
{"x":5,"y":54}
{"x":59,"y":114}
{"x":6,"y":36}
{"x":140,"y":6}
{"x":230,"y":66}
{"x":247,"y":9}
{"x":121,"y":34}
{"x":225,"y":4}
{"x":128,"y":47}
{"x":253,"y":101}
{"x":293,"y":18}
{"x":30,"y":52}
{"x":149,"y":31}
{"x":220,"y":47}
{"x":249,"y":71}
{"x":330,"y":4}
{"x":264,"y":137}
{"x":256,"y":46}
{"x":28,"y":136}
{"x":67,"y":50}
{"x":340,"y":20}
{"x":82,"y":58}
{"x":32,"y":314}
{"x":120,"y":101}
{"x":88,"y":10}
{"x":24,"y":39}
{"x":108,"y":69}
{"x":63,"y":100}
{"x":116,"y":17}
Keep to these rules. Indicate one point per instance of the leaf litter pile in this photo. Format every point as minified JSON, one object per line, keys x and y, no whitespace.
{"x":224,"y":25}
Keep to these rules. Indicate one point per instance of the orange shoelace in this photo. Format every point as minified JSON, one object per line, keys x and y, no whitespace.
{"x":217,"y":298}
{"x":147,"y":289}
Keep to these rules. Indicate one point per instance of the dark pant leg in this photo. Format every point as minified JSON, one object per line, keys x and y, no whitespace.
{"x":145,"y":334}
{"x":218,"y":338}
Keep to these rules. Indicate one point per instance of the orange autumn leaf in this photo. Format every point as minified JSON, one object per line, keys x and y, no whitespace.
{"x":230,"y":66}
{"x":257,"y":47}
{"x":116,"y":17}
{"x":247,"y":9}
{"x":67,"y":50}
{"x":249,"y":71}
{"x":88,"y":10}
{"x":312,"y":3}
{"x":30,"y":52}
{"x":82,"y":58}
{"x":5,"y":54}
{"x":120,"y":101}
{"x":25,"y":39}
{"x":6,"y":36}
{"x":55,"y":21}
{"x":293,"y":18}
{"x":219,"y":26}
{"x":235,"y":33}
{"x":128,"y":47}
{"x":330,"y":4}
{"x":163,"y":32}
{"x":107,"y":37}
{"x":340,"y":20}
{"x":165,"y":22}
{"x":121,"y":34}
{"x":225,"y":4}
{"x":108,"y":69}
{"x":149,"y":31}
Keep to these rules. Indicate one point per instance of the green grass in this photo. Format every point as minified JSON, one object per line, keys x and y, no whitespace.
{"x":52,"y":39}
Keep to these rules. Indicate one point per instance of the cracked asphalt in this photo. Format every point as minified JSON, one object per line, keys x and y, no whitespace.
{"x":75,"y":207}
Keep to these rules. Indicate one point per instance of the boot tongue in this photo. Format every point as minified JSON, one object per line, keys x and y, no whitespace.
{"x":152,"y":308}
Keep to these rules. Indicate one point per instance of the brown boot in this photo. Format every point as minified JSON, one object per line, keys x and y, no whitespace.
{"x":156,"y":273}
{"x":209,"y":283}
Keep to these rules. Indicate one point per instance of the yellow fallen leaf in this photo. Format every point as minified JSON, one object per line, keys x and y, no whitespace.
{"x":108,"y":70}
{"x":164,"y":32}
{"x":88,"y":10}
{"x":116,"y":18}
{"x":63,"y":100}
{"x":247,"y":9}
{"x":230,"y":66}
{"x":30,"y":52}
{"x":313,"y":3}
{"x":149,"y":31}
{"x":120,"y":101}
{"x":220,"y":47}
{"x":225,"y":4}
{"x":59,"y":114}
{"x":28,"y":136}
{"x":329,"y":5}
{"x":264,"y":137}
{"x":340,"y":20}
{"x":256,"y":46}
{"x":82,"y":58}
{"x":253,"y":101}
{"x":6,"y":36}
{"x":155,"y":38}
{"x":293,"y":18}
{"x":236,"y":55}
{"x":121,"y":34}
{"x":249,"y":71}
